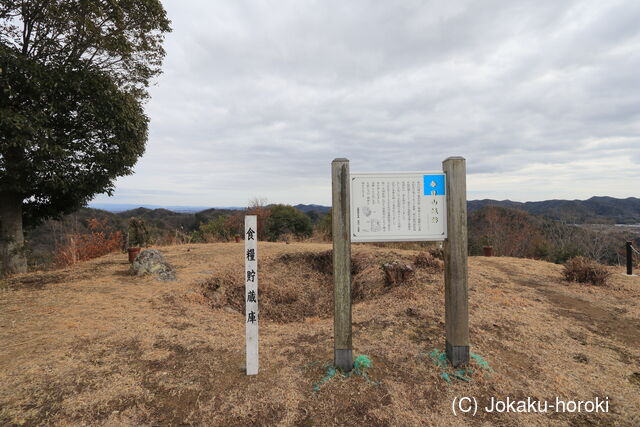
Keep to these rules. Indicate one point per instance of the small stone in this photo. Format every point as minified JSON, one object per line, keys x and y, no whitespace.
{"x":397,"y":273}
{"x":151,"y":261}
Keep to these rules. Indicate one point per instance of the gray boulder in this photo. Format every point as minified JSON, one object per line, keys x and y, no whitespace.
{"x":151,"y":261}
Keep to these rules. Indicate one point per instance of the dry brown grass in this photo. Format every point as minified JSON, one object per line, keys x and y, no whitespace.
{"x":429,"y":261}
{"x":584,"y":270}
{"x":93,"y":345}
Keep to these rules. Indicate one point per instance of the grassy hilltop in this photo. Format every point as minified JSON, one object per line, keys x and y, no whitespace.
{"x":92,"y":344}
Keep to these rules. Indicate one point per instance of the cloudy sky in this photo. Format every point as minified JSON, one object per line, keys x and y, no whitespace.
{"x":257,"y":97}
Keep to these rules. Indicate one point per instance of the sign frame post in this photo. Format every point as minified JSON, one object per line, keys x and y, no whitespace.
{"x":341,"y":233}
{"x":454,"y":233}
{"x":251,"y":315}
{"x":456,"y":294}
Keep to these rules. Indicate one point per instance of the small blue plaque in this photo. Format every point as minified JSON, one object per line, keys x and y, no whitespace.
{"x":434,"y":185}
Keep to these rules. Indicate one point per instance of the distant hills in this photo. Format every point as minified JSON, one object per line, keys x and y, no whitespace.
{"x":596,"y":210}
{"x":318,"y":208}
{"x":124,"y":207}
{"x":121,"y":207}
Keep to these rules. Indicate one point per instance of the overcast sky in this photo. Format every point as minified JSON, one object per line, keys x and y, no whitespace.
{"x":257,"y":97}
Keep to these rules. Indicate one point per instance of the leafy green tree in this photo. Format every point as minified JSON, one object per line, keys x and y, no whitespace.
{"x":216,"y":229}
{"x":287,"y":219}
{"x":73,"y":77}
{"x":314,"y":216}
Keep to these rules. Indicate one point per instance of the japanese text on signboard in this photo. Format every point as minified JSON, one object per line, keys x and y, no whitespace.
{"x":398,"y":207}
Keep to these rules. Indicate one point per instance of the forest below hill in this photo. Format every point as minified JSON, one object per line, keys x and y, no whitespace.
{"x":552,"y":230}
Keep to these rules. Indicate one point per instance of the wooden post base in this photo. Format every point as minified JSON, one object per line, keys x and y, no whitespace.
{"x":343,"y":359}
{"x":457,"y":354}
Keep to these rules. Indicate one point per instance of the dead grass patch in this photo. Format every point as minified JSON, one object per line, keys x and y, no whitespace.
{"x":298,"y":285}
{"x":429,"y":261}
{"x":583,"y":270}
{"x":34,"y":281}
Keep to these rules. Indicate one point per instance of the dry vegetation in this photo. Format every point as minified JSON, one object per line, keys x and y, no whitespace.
{"x":583,"y":270}
{"x":94,"y":345}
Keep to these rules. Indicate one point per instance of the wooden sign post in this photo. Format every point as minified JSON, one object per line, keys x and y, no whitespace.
{"x":399,"y":207}
{"x":455,"y":263}
{"x":342,"y":348}
{"x":251,"y":292}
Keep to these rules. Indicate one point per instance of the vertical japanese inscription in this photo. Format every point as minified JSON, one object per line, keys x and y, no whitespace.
{"x":251,"y":292}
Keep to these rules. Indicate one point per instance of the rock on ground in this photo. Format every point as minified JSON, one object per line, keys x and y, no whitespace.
{"x":151,"y":261}
{"x":396,"y":273}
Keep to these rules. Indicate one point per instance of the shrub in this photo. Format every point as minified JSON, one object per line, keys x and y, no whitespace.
{"x":196,"y":237}
{"x":137,"y":235}
{"x":216,"y":230}
{"x":584,"y":270}
{"x":325,"y":226}
{"x":511,"y":232}
{"x":287,"y":219}
{"x":80,"y":247}
{"x":258,"y":207}
{"x":235,"y":223}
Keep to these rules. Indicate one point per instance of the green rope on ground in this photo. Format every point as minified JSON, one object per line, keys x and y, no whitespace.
{"x":439,"y":358}
{"x":360,"y":366}
{"x":330,"y":373}
{"x":481,"y":362}
{"x":361,"y":363}
{"x":461,"y":374}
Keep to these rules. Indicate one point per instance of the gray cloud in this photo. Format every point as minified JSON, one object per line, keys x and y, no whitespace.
{"x":257,"y":98}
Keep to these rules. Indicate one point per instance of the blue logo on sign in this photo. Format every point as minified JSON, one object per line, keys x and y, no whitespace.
{"x":434,"y":185}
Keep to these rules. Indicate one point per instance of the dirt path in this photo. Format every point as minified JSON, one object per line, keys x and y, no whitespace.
{"x":597,"y":316}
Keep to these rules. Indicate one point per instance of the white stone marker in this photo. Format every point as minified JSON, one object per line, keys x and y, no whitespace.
{"x":251,"y":292}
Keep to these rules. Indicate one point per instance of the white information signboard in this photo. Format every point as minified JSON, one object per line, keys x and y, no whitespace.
{"x":398,"y":207}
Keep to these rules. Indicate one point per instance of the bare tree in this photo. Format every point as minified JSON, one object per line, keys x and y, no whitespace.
{"x":258,"y":206}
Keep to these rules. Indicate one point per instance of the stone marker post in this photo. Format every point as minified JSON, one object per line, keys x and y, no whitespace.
{"x":455,"y":260}
{"x":251,"y":292}
{"x":341,"y":232}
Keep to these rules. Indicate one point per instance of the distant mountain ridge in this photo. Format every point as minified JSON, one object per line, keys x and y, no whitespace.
{"x":318,"y":208}
{"x":597,"y":209}
{"x":122,"y":207}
